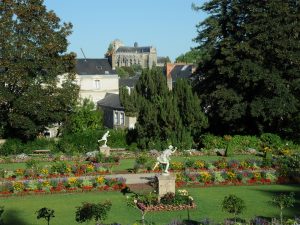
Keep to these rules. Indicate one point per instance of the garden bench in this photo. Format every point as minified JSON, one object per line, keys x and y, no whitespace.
{"x":44,"y":152}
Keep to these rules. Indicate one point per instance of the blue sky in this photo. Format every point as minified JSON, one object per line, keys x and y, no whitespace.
{"x":168,"y":25}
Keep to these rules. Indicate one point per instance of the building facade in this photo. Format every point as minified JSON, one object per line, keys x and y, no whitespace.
{"x":95,"y":78}
{"x":120,"y":55}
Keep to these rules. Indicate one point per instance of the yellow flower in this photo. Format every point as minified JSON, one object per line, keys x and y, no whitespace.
{"x":19,"y":172}
{"x":44,"y":171}
{"x":68,"y":169}
{"x":199,"y":164}
{"x":231,"y":175}
{"x":177,"y":165}
{"x":100,"y":180}
{"x":72,"y":180}
{"x":257,"y":175}
{"x":205,"y":176}
{"x":244,"y":164}
{"x":18,"y":186}
{"x":46,"y":183}
{"x":90,"y":168}
{"x":179,"y":177}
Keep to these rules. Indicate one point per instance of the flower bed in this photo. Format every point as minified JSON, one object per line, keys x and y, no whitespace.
{"x":59,"y":169}
{"x":180,"y":200}
{"x":51,"y":186}
{"x":226,"y":177}
{"x":162,"y":207}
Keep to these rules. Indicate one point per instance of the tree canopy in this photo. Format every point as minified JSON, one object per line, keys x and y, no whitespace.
{"x":33,"y":45}
{"x":249,"y":79}
{"x":194,"y":56}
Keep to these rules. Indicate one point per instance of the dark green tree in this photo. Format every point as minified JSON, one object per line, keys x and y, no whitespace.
{"x":189,"y":105}
{"x":84,"y":117}
{"x":129,"y":100}
{"x":33,"y":45}
{"x":89,"y":211}
{"x":249,"y":78}
{"x":45,"y":213}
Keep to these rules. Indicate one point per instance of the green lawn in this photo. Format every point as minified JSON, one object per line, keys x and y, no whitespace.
{"x":127,"y":164}
{"x":20,"y":210}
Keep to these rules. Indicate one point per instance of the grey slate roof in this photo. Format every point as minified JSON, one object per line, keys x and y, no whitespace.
{"x":134,"y":49}
{"x":129,"y":82}
{"x":111,"y":101}
{"x":181,"y":71}
{"x":94,"y":67}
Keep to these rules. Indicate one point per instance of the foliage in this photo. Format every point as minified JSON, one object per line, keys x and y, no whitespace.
{"x":233,"y":204}
{"x":249,"y":78}
{"x":284,"y":201}
{"x":45,"y":213}
{"x":125,"y":72}
{"x":181,"y":197}
{"x":84,"y":117}
{"x":117,"y":138}
{"x":289,"y":165}
{"x":164,"y":117}
{"x":33,"y":45}
{"x":193,"y":56}
{"x":79,"y":142}
{"x":1,"y":212}
{"x":129,"y":101}
{"x":89,"y":211}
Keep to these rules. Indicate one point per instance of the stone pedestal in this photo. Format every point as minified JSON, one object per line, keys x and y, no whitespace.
{"x":105,"y":150}
{"x":166,"y":183}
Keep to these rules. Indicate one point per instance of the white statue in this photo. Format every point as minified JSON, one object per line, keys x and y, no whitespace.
{"x":104,"y":138}
{"x":164,"y":158}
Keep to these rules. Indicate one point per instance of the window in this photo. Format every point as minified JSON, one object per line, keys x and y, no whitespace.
{"x":116,"y":118}
{"x":121,"y":118}
{"x":97,"y":84}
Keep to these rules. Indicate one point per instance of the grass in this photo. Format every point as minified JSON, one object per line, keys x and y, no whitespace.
{"x":20,"y":210}
{"x":127,"y":164}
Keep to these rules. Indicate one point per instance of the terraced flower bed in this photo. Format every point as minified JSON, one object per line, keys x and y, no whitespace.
{"x":64,"y":185}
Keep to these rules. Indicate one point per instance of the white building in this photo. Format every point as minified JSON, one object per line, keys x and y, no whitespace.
{"x":95,"y":78}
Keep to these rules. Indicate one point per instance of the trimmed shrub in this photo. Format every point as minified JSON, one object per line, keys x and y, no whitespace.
{"x":12,"y":147}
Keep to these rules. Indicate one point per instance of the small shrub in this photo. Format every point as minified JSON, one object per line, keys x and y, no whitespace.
{"x":211,"y":142}
{"x":45,"y":213}
{"x":89,"y":211}
{"x":233,"y":205}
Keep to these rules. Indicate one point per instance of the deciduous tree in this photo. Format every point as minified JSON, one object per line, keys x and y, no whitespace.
{"x":33,"y":44}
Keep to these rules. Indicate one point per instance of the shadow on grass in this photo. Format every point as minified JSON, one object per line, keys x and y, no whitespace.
{"x":290,"y":212}
{"x":12,"y":217}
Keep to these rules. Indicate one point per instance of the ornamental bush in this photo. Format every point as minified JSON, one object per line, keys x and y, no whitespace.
{"x":233,"y":205}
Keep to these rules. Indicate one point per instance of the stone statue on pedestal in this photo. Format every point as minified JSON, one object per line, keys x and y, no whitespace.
{"x":104,"y":138}
{"x":164,"y":159}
